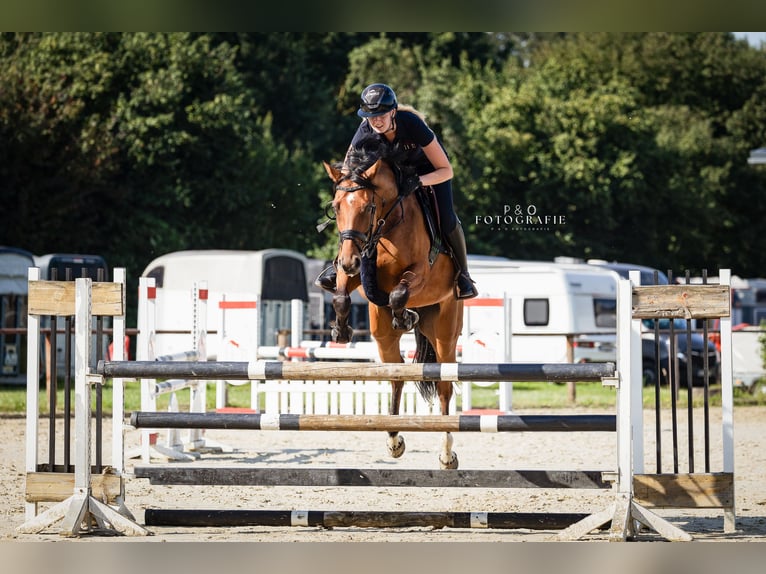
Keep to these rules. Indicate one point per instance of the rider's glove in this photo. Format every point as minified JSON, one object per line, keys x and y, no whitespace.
{"x":411,"y":183}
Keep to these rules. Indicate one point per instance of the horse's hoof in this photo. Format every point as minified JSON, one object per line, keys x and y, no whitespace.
{"x":340,"y":334}
{"x":452,"y":464}
{"x":396,"y":447}
{"x":408,"y":321}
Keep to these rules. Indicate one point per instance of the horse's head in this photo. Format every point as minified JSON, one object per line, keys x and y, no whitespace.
{"x":365,"y":191}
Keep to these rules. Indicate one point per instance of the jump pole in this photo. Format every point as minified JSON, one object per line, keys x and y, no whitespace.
{"x":388,"y":423}
{"x":359,"y":519}
{"x":266,"y":370}
{"x":372,"y":477}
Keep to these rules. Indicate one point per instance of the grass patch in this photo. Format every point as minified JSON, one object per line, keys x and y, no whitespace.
{"x":525,"y":396}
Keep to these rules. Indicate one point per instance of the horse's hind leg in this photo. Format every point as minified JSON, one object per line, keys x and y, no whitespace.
{"x":395,"y":441}
{"x":447,"y":457}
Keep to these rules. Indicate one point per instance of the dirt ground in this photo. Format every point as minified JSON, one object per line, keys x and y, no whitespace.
{"x":520,"y":451}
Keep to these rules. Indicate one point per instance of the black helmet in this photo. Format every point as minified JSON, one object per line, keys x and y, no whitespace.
{"x":377,"y":99}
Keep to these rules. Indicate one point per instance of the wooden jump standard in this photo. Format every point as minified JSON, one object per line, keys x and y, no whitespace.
{"x":425,"y":423}
{"x":271,"y":370}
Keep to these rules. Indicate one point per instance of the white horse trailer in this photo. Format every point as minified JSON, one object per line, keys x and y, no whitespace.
{"x":249,"y":298}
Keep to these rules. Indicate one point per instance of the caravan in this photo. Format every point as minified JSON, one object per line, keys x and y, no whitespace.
{"x":551,"y":305}
{"x":249,"y":298}
{"x":14,"y":269}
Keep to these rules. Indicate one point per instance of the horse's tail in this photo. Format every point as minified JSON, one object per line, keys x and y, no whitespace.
{"x":425,"y":353}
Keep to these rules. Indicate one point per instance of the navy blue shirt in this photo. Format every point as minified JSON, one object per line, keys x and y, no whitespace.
{"x":412,"y":133}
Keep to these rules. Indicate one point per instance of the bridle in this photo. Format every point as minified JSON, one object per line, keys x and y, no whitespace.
{"x":366,"y":243}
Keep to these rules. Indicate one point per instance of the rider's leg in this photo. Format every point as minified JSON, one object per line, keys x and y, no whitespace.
{"x":465,"y":288}
{"x":452,"y":232}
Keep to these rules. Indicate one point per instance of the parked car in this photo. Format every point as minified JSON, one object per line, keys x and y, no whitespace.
{"x":603,"y":347}
{"x":594,"y":348}
{"x":688,"y":358}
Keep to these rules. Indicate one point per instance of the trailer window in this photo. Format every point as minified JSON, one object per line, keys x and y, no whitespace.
{"x":536,"y":312}
{"x":605,"y":312}
{"x":284,"y":279}
{"x":158,"y":273}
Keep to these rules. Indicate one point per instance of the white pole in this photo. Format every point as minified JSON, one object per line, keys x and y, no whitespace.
{"x":145,"y":352}
{"x":506,"y":387}
{"x":637,"y":384}
{"x":198,"y":402}
{"x":82,"y":411}
{"x":223,"y":355}
{"x":296,"y":322}
{"x":33,"y":390}
{"x":727,"y":401}
{"x":624,"y":348}
{"x":465,"y":399}
{"x":118,"y":390}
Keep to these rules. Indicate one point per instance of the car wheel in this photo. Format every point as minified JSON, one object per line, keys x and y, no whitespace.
{"x":649,"y":375}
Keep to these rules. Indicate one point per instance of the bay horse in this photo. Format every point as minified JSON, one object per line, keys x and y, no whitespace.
{"x":383,"y":251}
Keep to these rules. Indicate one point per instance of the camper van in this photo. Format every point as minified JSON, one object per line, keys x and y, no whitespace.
{"x":249,"y":298}
{"x":550,"y":305}
{"x":14,"y":269}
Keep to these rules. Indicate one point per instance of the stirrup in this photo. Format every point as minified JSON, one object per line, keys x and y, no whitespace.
{"x":327,"y":279}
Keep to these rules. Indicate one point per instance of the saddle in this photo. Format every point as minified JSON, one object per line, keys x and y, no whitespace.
{"x":429,"y":205}
{"x":430,"y":208}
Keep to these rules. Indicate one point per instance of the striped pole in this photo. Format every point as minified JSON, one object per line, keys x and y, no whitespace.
{"x":267,"y":370}
{"x":388,"y":423}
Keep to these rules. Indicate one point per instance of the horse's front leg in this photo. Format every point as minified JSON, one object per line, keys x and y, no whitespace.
{"x":404,"y":319}
{"x":448,"y":457}
{"x":341,"y":303}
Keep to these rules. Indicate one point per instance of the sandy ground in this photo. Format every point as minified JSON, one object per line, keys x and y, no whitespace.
{"x":557,"y":451}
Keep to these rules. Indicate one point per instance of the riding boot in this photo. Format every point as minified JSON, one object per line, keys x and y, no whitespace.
{"x":464,"y":286}
{"x":327,"y":279}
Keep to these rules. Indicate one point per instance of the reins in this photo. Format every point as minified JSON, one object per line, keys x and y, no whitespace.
{"x":366,"y":243}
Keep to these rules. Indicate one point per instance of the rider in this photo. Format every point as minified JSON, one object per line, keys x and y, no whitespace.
{"x":384,"y":116}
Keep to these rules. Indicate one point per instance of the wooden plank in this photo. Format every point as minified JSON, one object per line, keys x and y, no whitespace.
{"x":58,"y":486}
{"x":57,"y":298}
{"x":267,"y":476}
{"x":358,"y":518}
{"x":681,"y":301}
{"x":714,"y":490}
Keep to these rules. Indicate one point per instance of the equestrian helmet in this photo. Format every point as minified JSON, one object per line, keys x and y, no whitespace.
{"x":377,"y":99}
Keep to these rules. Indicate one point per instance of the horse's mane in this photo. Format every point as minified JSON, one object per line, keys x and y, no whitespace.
{"x":367,"y":152}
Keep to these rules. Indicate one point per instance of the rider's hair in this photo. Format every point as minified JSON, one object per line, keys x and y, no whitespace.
{"x":408,"y":108}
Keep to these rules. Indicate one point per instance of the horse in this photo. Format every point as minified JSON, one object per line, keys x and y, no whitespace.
{"x":383,"y":251}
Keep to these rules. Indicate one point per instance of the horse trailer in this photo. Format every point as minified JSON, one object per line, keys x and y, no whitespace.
{"x":249,"y":298}
{"x":14,"y":266}
{"x":68,"y":267}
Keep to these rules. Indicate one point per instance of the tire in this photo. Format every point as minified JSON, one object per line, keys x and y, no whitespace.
{"x":649,"y":375}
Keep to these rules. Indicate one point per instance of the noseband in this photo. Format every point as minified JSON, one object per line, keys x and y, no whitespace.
{"x":366,"y":243}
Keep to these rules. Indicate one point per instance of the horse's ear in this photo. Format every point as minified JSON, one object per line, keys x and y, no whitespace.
{"x":333,"y":172}
{"x":374,"y":168}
